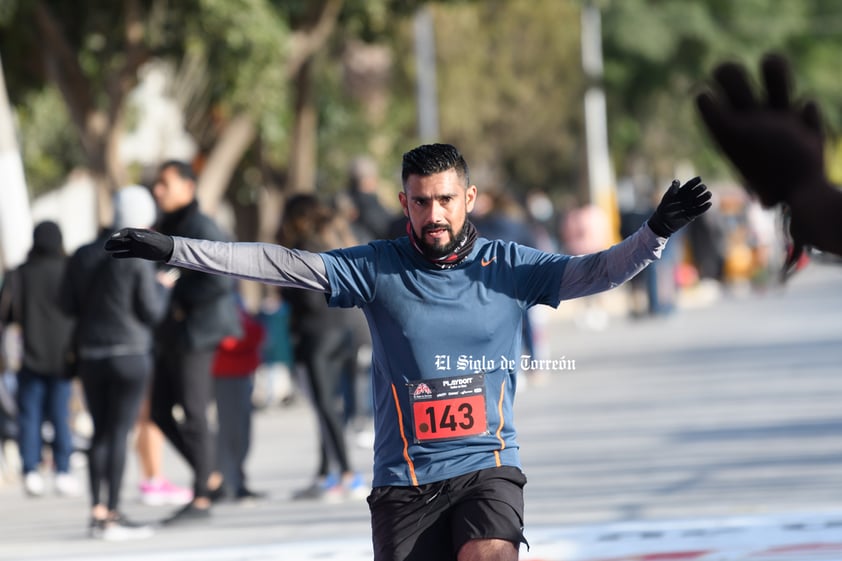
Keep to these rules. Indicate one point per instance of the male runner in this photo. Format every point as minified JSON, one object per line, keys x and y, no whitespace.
{"x":444,"y":308}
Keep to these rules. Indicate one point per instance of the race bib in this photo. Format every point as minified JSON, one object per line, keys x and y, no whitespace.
{"x":448,"y":408}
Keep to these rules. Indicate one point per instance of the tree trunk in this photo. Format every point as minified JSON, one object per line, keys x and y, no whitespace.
{"x":302,"y":162}
{"x":99,"y":129}
{"x":236,"y":138}
{"x":15,"y":220}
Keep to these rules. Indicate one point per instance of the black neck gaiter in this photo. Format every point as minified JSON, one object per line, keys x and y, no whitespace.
{"x":463,"y":247}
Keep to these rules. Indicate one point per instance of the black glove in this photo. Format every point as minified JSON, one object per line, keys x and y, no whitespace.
{"x":136,"y":242}
{"x":776,"y":144}
{"x":680,"y":206}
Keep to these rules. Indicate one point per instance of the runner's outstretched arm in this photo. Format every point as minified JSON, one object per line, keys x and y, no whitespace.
{"x":264,"y":262}
{"x":596,"y":272}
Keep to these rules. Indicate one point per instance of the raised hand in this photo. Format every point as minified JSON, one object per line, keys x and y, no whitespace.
{"x":679,"y":206}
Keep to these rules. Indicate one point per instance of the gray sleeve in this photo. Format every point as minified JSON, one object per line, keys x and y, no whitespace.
{"x":596,"y":272}
{"x":263,"y":262}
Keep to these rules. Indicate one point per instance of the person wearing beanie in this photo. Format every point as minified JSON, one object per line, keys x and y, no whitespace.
{"x":134,"y":207}
{"x":116,"y":306}
{"x":44,"y":387}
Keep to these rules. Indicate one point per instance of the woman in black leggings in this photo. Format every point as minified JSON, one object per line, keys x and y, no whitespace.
{"x":325,"y":346}
{"x":116,"y":303}
{"x":114,"y":387}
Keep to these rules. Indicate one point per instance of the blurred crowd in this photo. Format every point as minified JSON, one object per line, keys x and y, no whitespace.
{"x":98,"y":352}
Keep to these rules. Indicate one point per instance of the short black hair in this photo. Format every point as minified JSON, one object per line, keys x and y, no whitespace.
{"x":182,"y":168}
{"x":429,"y":159}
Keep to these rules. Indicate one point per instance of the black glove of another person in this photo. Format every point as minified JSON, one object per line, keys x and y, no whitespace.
{"x":775,"y":143}
{"x":680,"y":206}
{"x":136,"y":242}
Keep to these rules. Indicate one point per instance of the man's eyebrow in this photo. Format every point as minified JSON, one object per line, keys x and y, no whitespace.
{"x":422,"y":198}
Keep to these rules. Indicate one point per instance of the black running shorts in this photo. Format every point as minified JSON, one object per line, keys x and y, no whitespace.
{"x":434,"y":521}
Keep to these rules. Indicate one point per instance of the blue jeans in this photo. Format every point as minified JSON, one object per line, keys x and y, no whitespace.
{"x":43,"y":398}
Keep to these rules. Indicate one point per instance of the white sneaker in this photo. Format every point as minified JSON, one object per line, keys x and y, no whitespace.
{"x":67,"y":486}
{"x":33,"y":484}
{"x":119,"y":531}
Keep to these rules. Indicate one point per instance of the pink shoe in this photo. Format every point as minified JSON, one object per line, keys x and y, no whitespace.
{"x":158,"y":492}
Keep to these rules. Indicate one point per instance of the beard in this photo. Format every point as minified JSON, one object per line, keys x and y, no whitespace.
{"x":439,"y":250}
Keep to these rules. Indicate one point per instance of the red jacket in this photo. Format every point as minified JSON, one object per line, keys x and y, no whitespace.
{"x":240,"y":357}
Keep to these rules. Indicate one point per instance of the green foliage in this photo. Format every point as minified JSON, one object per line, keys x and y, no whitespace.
{"x":510,"y":79}
{"x":658,"y":53}
{"x":243,"y":45}
{"x":47,"y":141}
{"x":510,"y":88}
{"x":245,"y":42}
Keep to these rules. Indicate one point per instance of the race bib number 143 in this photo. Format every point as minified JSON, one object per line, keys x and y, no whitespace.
{"x":447,"y":408}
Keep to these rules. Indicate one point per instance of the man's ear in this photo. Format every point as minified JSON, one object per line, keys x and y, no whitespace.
{"x":470,"y":197}
{"x":402,"y":199}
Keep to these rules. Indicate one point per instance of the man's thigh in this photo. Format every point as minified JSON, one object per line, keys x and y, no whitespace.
{"x":410,"y":523}
{"x":435,"y":521}
{"x":489,"y":507}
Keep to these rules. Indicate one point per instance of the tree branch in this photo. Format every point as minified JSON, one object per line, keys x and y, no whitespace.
{"x":63,"y":68}
{"x":121,"y":83}
{"x":136,"y":54}
{"x":304,"y":44}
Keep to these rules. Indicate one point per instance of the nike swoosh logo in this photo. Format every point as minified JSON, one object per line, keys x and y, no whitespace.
{"x":485,"y":263}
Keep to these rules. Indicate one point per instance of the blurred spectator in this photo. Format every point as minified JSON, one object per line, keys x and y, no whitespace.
{"x":766,"y":243}
{"x":658,"y":283}
{"x":541,"y":213}
{"x":273,"y":379}
{"x":10,"y":359}
{"x":202,"y":313}
{"x":117,"y":303}
{"x":585,"y":230}
{"x":234,"y":365}
{"x":43,"y":385}
{"x":373,"y":219}
{"x":8,"y":425}
{"x":155,"y":488}
{"x":707,"y":240}
{"x":497,"y":216}
{"x":324,"y":345}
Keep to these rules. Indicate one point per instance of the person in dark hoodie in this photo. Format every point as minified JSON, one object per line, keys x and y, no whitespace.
{"x":202,"y":312}
{"x":117,"y":304}
{"x":44,"y":386}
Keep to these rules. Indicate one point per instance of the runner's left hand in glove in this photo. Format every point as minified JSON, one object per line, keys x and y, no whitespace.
{"x":679,"y":206}
{"x":136,"y":242}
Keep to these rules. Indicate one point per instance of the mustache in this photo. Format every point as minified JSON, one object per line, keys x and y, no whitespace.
{"x":431,"y":227}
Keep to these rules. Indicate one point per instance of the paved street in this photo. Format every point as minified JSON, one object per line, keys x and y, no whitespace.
{"x":715,"y":433}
